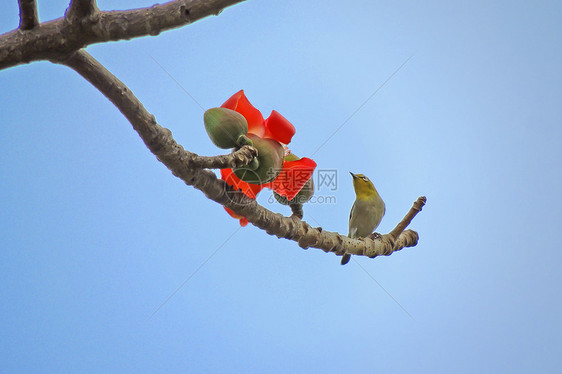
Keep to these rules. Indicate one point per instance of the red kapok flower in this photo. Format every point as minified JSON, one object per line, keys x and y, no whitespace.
{"x":249,"y":189}
{"x":274,"y":127}
{"x":239,"y":103}
{"x":294,"y":174}
{"x":293,"y":177}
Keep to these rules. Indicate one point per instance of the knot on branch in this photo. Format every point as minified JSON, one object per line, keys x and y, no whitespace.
{"x":185,"y":12}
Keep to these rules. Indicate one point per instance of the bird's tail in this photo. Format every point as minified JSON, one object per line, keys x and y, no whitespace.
{"x":345,"y":258}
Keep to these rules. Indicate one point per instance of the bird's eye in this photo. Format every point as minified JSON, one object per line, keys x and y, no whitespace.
{"x":364,"y":178}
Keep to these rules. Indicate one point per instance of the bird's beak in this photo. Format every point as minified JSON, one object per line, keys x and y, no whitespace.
{"x":353,"y":175}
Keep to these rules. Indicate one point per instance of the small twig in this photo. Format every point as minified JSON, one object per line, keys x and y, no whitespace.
{"x":415,"y":209}
{"x":297,"y":210}
{"x":236,"y":159}
{"x":29,"y":17}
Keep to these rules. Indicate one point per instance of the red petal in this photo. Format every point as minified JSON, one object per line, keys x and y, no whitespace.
{"x":249,"y":189}
{"x":293,"y":177}
{"x":239,"y":103}
{"x":279,"y":128}
{"x":243,"y":220}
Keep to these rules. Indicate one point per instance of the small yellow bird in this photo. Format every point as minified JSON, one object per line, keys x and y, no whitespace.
{"x":367,"y":211}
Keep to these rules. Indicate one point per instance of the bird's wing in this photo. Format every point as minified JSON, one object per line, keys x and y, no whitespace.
{"x":352,"y":231}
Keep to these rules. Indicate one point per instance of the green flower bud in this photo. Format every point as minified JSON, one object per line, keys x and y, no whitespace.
{"x":269,"y":162}
{"x":224,"y":126}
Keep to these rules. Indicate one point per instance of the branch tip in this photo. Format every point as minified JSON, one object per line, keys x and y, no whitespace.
{"x":419,"y":203}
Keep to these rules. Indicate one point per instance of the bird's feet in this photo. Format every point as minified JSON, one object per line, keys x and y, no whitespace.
{"x":375,"y":235}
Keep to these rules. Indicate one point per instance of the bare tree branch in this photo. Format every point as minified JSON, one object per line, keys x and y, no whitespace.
{"x":80,"y":9}
{"x":160,"y":142}
{"x":28,"y":14}
{"x":416,"y":208}
{"x":59,"y":38}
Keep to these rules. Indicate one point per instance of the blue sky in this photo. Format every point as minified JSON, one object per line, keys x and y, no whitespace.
{"x":96,"y":234}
